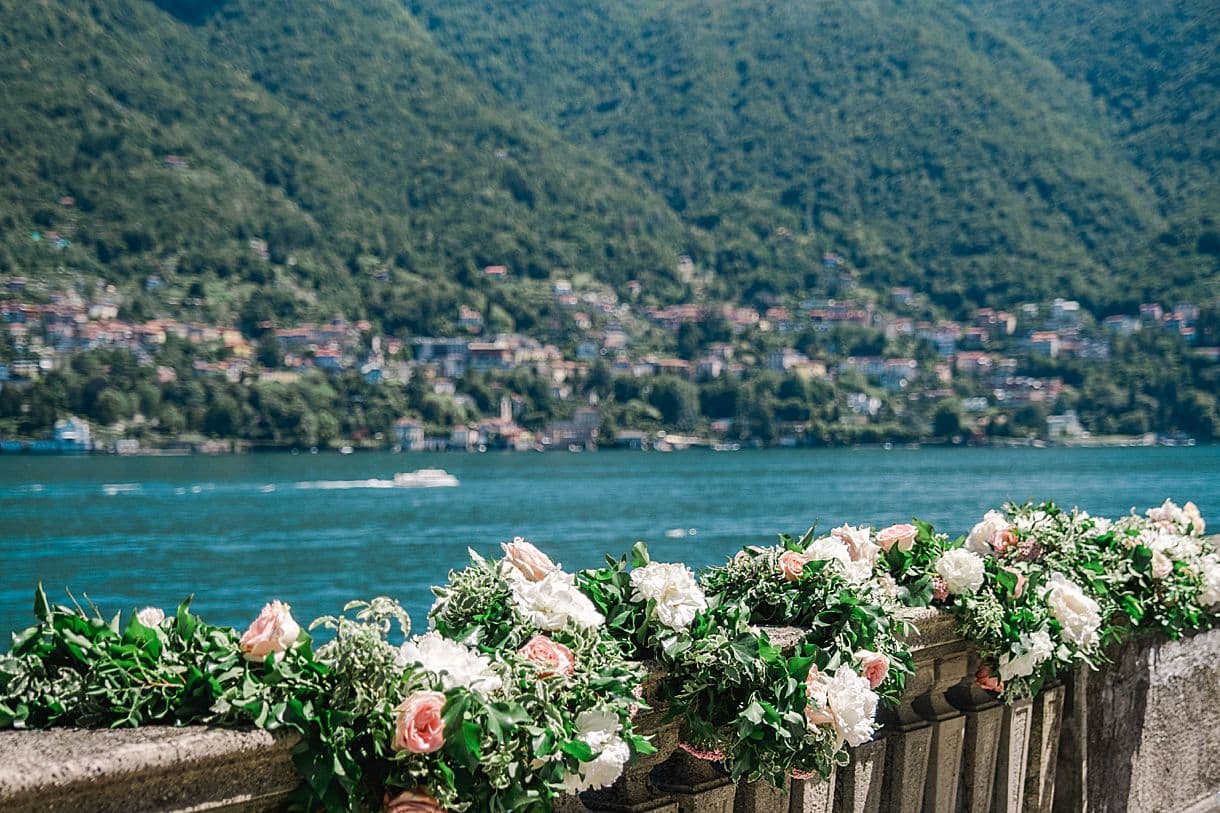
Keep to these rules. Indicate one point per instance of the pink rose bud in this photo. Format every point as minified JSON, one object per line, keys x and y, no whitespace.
{"x":552,"y":657}
{"x":274,"y":631}
{"x":1021,"y":580}
{"x":419,"y":727}
{"x":874,"y":666}
{"x":411,"y":801}
{"x":940,"y":590}
{"x":984,"y":679}
{"x":792,"y":564}
{"x":901,"y":535}
{"x":527,"y":560}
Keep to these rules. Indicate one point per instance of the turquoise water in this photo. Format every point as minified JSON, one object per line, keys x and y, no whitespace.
{"x":238,"y":531}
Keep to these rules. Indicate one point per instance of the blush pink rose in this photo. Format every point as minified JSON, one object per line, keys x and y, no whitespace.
{"x":274,"y":631}
{"x":527,"y":560}
{"x":940,"y":590}
{"x":419,"y":727}
{"x":411,"y":801}
{"x":792,"y":564}
{"x":874,"y":666}
{"x":552,"y":657}
{"x":1004,"y":540}
{"x":984,"y":679}
{"x":901,"y":535}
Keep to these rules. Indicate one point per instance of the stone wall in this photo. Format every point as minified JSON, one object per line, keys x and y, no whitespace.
{"x":1141,"y":734}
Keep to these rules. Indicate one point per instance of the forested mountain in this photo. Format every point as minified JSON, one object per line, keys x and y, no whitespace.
{"x":381,"y":175}
{"x":955,"y":146}
{"x":370,"y":157}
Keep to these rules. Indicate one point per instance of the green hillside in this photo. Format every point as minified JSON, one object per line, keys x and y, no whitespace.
{"x":929,"y":144}
{"x":380,"y":175}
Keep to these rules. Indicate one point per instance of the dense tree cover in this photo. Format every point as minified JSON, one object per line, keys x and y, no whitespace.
{"x":372,"y":167}
{"x":926,"y":142}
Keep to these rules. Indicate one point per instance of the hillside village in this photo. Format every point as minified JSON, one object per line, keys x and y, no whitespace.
{"x":875,"y":361}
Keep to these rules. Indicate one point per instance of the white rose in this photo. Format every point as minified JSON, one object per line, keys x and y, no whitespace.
{"x":853,"y":704}
{"x":550,"y":603}
{"x":523,"y":560}
{"x":150,"y":616}
{"x":860,"y":545}
{"x":1209,"y":593}
{"x":453,"y":663}
{"x":674,"y":589}
{"x":1168,"y":516}
{"x":962,"y":571}
{"x":983,"y":535}
{"x":830,"y":548}
{"x":1162,"y":565}
{"x":600,"y":730}
{"x":1078,"y":614}
{"x":1036,"y":648}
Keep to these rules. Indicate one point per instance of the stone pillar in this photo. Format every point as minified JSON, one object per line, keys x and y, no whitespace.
{"x":908,"y":741}
{"x":699,"y":786}
{"x":980,"y":744}
{"x":948,"y":734}
{"x":760,"y":797}
{"x":1009,"y":789}
{"x":1043,"y":749}
{"x":859,"y":783}
{"x":812,"y":795}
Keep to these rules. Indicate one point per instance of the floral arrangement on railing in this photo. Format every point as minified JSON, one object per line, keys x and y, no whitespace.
{"x":528,"y":684}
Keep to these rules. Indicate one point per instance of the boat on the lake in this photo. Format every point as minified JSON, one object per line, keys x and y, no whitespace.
{"x":424,"y":478}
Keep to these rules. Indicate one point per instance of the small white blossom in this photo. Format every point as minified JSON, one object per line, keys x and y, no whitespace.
{"x":962,"y":571}
{"x":600,"y":730}
{"x":150,"y":616}
{"x":453,"y":663}
{"x":674,"y":589}
{"x":1035,"y":649}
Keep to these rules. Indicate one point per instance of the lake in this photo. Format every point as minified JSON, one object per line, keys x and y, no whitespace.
{"x":239,"y":531}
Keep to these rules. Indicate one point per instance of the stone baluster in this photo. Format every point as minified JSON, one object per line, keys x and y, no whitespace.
{"x":812,"y":795}
{"x":981,"y":741}
{"x":859,"y":783}
{"x":760,"y":797}
{"x":908,"y":742}
{"x":948,"y":733}
{"x":698,"y":785}
{"x":1044,"y":734}
{"x":1008,"y":795}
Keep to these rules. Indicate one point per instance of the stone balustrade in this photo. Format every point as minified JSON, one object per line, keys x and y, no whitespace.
{"x":1140,"y":734}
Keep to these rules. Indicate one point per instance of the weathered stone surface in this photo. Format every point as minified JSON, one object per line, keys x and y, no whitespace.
{"x":859,"y":784}
{"x":980,"y":744}
{"x":1143,"y":733}
{"x":1007,"y":795}
{"x":760,"y":797}
{"x":1043,"y":750}
{"x":812,"y":796}
{"x":147,"y":769}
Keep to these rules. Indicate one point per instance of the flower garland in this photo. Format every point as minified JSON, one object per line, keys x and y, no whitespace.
{"x":526,"y":686}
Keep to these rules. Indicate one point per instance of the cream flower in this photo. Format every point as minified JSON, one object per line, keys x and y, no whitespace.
{"x":859,"y":542}
{"x":1209,"y":593}
{"x":523,"y":560}
{"x":1077,"y":614}
{"x":674,"y":589}
{"x":962,"y":571}
{"x":829,"y":547}
{"x":1193,"y":517}
{"x":552,"y":602}
{"x":452,"y":663}
{"x":983,"y":536}
{"x":853,"y":704}
{"x":275,"y":631}
{"x":150,"y":616}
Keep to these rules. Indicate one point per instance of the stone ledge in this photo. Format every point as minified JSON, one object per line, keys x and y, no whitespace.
{"x":158,"y":768}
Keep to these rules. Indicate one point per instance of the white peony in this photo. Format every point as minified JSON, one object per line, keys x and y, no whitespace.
{"x":860,"y":545}
{"x":150,"y":616}
{"x":553,"y":601}
{"x":1209,"y":593}
{"x":982,"y":536}
{"x":961,"y":570}
{"x":859,"y":572}
{"x":1036,"y":648}
{"x":600,"y":730}
{"x":1078,"y":614}
{"x":451,"y":662}
{"x":853,"y":704}
{"x":673,"y":587}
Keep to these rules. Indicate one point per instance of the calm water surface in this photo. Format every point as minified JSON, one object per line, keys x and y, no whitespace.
{"x":238,"y":531}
